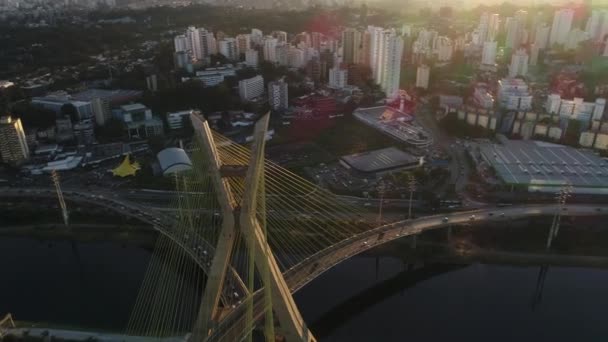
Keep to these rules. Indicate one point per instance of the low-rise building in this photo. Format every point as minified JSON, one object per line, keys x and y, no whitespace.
{"x":140,"y":122}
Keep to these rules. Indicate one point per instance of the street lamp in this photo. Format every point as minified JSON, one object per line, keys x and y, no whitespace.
{"x":411,"y":183}
{"x":381,"y":189}
{"x":561,"y":197}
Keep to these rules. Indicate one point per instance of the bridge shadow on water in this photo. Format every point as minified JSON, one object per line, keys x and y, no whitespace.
{"x":341,"y":314}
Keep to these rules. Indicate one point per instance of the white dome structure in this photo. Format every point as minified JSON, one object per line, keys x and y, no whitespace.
{"x":173,"y":160}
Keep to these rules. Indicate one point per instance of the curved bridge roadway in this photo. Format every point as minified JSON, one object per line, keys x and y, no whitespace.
{"x":234,"y":324}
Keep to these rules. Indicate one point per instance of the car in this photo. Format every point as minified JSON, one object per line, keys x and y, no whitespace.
{"x":445,"y":219}
{"x":472,"y":217}
{"x":502,"y":214}
{"x":598,"y":209}
{"x":491,"y":214}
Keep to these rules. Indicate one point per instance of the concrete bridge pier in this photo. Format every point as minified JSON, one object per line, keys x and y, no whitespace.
{"x":413,"y":241}
{"x":449,"y":233}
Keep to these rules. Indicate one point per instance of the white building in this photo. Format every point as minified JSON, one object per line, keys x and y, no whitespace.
{"x":278,"y":95}
{"x":541,"y":38}
{"x":193,"y":42}
{"x":375,"y":48}
{"x":296,"y":57}
{"x":282,"y":54}
{"x":181,"y":43}
{"x":488,"y":55}
{"x":488,"y":27}
{"x":562,"y":23}
{"x":338,"y":78}
{"x":513,"y":94}
{"x":243,"y":43}
{"x":257,"y":37}
{"x":519,"y":63}
{"x":389,"y":63}
{"x":251,"y":88}
{"x":576,"y":108}
{"x":597,"y":25}
{"x":252,"y":58}
{"x":442,"y":48}
{"x":228,"y":48}
{"x":534,"y":51}
{"x":270,"y":49}
{"x":515,"y":32}
{"x":575,"y":37}
{"x":423,"y":74}
{"x":176,"y":119}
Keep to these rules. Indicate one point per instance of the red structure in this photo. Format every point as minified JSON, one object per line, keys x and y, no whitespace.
{"x":404,"y":103}
{"x":317,"y":106}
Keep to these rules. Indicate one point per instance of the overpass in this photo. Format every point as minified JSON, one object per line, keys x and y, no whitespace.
{"x":312,"y":267}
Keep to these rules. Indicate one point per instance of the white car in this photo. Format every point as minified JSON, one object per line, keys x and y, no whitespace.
{"x":472,"y":217}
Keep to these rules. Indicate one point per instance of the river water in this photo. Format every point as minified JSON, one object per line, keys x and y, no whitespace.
{"x":364,"y":299}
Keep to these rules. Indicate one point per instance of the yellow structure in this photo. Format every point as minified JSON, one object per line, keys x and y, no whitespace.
{"x":126,"y":168}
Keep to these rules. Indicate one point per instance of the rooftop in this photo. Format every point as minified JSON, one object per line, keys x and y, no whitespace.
{"x":540,"y":165}
{"x":133,"y":107}
{"x":380,"y":160}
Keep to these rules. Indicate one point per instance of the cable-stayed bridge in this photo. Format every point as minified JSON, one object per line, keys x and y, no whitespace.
{"x":246,"y":235}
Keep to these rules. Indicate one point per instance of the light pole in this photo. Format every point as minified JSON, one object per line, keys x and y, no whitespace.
{"x":561,"y":198}
{"x":64,"y":209}
{"x":411,"y":183}
{"x":381,"y":190}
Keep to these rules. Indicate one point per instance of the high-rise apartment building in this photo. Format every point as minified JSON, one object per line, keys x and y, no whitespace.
{"x":562,"y":23}
{"x":351,"y":45}
{"x":243,"y":43}
{"x":13,"y":146}
{"x":338,"y":78}
{"x":181,"y":43}
{"x":228,"y":48}
{"x":251,"y":88}
{"x":541,"y":38}
{"x":519,"y":63}
{"x":270,"y":49}
{"x":423,"y":74}
{"x":488,"y":55}
{"x":389,"y":63}
{"x":278,"y":95}
{"x":252,"y":58}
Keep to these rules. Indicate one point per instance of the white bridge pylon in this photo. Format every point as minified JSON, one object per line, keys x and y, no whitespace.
{"x":242,"y":217}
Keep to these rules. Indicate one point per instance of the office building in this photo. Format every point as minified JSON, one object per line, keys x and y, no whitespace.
{"x":13,"y":145}
{"x":338,"y":78}
{"x":278,"y":95}
{"x":140,"y":122}
{"x":562,"y":23}
{"x":519,"y":63}
{"x":422,"y":76}
{"x":251,"y":88}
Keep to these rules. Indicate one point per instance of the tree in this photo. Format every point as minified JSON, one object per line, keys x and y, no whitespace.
{"x":187,"y":128}
{"x":70,"y":111}
{"x":157,"y":143}
{"x":114,"y":129}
